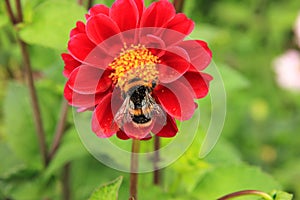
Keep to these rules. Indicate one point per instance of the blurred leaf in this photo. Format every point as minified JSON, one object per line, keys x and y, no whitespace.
{"x":51,"y":23}
{"x":70,"y":149}
{"x":280,"y":195}
{"x":233,"y":80}
{"x":231,"y":178}
{"x":108,"y":191}
{"x":19,"y":127}
{"x":11,"y":164}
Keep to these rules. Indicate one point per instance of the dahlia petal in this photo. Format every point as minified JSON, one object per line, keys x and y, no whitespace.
{"x":174,"y":63}
{"x":177,"y":29}
{"x":199,"y":53}
{"x":197,"y":82}
{"x":122,"y":135}
{"x":100,"y":27}
{"x":169,"y":130}
{"x":89,"y":80}
{"x":158,"y":14}
{"x":99,"y":9}
{"x":80,"y":46}
{"x":103,"y":120}
{"x":82,"y":100}
{"x":137,"y":131}
{"x":70,"y":64}
{"x":125,"y":21}
{"x":80,"y":28}
{"x":140,"y":6}
{"x":176,"y":99}
{"x":155,"y":44}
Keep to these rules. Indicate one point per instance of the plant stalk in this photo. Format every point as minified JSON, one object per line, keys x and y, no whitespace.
{"x":60,"y":128}
{"x":134,"y":169}
{"x":66,"y":182}
{"x":156,"y":172}
{"x":29,"y":75}
{"x":178,"y":4}
{"x":247,"y":192}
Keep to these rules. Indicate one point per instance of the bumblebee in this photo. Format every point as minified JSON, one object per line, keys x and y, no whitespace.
{"x":139,"y":107}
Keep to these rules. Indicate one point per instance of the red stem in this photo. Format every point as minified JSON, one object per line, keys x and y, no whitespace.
{"x":66,"y":182}
{"x":32,"y":91}
{"x":10,"y":12}
{"x":19,"y":10}
{"x":134,"y":169}
{"x":156,"y":173}
{"x":60,"y":128}
{"x":178,"y":4}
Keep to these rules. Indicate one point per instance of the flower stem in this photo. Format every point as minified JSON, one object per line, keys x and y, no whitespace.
{"x":60,"y":128}
{"x":247,"y":192}
{"x":66,"y":182}
{"x":19,"y":10}
{"x":134,"y":169}
{"x":156,"y":172}
{"x":29,"y":75}
{"x":178,"y":4}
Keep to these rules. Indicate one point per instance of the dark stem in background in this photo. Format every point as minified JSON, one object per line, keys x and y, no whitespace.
{"x":29,"y":76}
{"x":247,"y":192}
{"x":34,"y":101}
{"x":10,"y":12}
{"x":178,"y":4}
{"x":90,"y":4}
{"x":134,"y":168}
{"x":19,"y":11}
{"x":60,"y":128}
{"x":66,"y":190}
{"x":80,"y":2}
{"x":156,"y":173}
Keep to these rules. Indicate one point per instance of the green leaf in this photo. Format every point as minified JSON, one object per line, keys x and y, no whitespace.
{"x":108,"y":191}
{"x":70,"y":149}
{"x":51,"y":23}
{"x":19,"y":126}
{"x":233,"y":79}
{"x":231,"y":178}
{"x":280,"y":195}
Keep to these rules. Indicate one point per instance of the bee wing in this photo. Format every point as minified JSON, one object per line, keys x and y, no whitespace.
{"x":123,"y":116}
{"x":155,"y":110}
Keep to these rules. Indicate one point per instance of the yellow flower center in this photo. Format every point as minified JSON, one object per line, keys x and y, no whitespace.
{"x":134,"y":62}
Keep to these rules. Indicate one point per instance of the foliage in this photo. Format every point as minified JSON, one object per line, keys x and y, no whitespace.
{"x":259,"y":146}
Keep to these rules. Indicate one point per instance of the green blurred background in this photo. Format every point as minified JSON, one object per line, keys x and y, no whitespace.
{"x":259,"y":147}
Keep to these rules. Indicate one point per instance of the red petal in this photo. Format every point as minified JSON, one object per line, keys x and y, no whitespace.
{"x":137,"y":131}
{"x":158,"y":14}
{"x":176,"y":99}
{"x":102,"y":120}
{"x":122,"y":135}
{"x":174,"y":63}
{"x":82,"y":100}
{"x":197,"y":82}
{"x":199,"y":53}
{"x":170,"y":129}
{"x":100,"y":27}
{"x":89,"y":80}
{"x":140,"y":6}
{"x":80,"y":28}
{"x":99,"y":9}
{"x":70,"y":64}
{"x":125,"y":13}
{"x":177,"y":29}
{"x":80,"y":46}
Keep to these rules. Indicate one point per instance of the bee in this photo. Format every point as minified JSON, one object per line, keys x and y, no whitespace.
{"x":139,"y":107}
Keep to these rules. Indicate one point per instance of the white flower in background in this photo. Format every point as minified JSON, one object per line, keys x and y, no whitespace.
{"x":297,"y":29}
{"x":287,"y":68}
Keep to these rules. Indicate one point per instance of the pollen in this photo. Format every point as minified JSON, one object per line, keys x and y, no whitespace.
{"x":134,"y":62}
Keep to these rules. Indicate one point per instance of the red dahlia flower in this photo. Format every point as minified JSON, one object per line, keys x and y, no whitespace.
{"x":132,"y":67}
